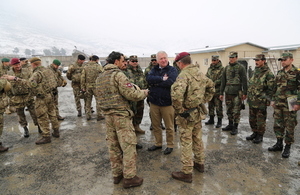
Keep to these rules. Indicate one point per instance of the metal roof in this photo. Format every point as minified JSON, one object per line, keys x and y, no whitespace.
{"x":222,"y":48}
{"x":285,"y":47}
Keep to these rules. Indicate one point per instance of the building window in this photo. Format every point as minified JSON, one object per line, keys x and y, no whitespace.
{"x":205,"y":61}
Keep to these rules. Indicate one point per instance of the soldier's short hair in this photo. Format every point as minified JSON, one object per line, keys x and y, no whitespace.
{"x":113,"y":56}
{"x":186,"y":60}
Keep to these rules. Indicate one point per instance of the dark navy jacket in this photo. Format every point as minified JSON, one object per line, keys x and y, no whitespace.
{"x":160,"y":90}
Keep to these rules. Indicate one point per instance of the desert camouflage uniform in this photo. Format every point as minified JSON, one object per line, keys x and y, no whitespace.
{"x":3,"y":104}
{"x":89,"y":75}
{"x":260,"y":90}
{"x":21,"y":96}
{"x":138,"y":78}
{"x":114,"y":90}
{"x":61,"y":82}
{"x":286,"y":84}
{"x":3,"y":71}
{"x":234,"y":84}
{"x":215,"y":72}
{"x":44,"y":105}
{"x":74,"y":74}
{"x":191,"y":89}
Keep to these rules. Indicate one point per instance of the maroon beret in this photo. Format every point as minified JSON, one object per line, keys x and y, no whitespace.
{"x":181,"y":55}
{"x":14,"y":61}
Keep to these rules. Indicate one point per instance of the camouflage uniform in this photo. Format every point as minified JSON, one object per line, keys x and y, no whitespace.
{"x":44,"y":105}
{"x":74,"y":74}
{"x":89,"y":75}
{"x":61,"y":82}
{"x":3,"y":105}
{"x":138,"y":78}
{"x":114,"y":90}
{"x":260,"y":91}
{"x":21,"y":96}
{"x":234,"y":84}
{"x":215,"y":72}
{"x":191,"y":89}
{"x":286,"y":84}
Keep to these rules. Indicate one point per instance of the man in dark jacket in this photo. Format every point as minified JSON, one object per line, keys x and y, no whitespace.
{"x":160,"y":79}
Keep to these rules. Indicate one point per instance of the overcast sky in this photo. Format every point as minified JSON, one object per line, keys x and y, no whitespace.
{"x":177,"y":25}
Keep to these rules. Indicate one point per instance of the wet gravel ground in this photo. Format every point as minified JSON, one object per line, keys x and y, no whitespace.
{"x":77,"y":162}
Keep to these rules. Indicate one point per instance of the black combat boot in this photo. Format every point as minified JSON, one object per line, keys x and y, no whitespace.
{"x":219,"y":124}
{"x":228,"y":127}
{"x":211,"y":120}
{"x":26,"y":132}
{"x":252,"y":136}
{"x":286,"y":151}
{"x":258,"y":139}
{"x":278,"y":146}
{"x":234,"y":130}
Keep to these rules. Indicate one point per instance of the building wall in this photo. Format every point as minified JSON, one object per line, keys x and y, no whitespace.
{"x":245,"y":52}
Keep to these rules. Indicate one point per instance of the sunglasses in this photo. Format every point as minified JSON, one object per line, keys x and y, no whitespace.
{"x":214,"y":60}
{"x":134,"y":61}
{"x":153,"y":60}
{"x":283,"y":59}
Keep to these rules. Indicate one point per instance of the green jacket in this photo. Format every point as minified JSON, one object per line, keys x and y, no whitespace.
{"x":234,"y":80}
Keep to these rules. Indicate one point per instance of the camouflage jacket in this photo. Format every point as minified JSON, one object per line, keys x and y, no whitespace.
{"x":74,"y":72}
{"x":286,"y":84}
{"x":261,"y":86}
{"x":114,"y":91}
{"x":3,"y":97}
{"x":215,"y":72}
{"x":40,"y":82}
{"x":234,"y":80}
{"x":57,"y":73}
{"x":89,"y":75}
{"x":20,"y":93}
{"x":138,"y":76}
{"x":148,"y":69}
{"x":4,"y":69}
{"x":191,"y":89}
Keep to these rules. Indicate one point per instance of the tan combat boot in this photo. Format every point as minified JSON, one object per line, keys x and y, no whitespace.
{"x":55,"y":133}
{"x":199,"y":167}
{"x":183,"y":177}
{"x":133,"y":182}
{"x":138,"y":129}
{"x":43,"y":140}
{"x":60,"y":118}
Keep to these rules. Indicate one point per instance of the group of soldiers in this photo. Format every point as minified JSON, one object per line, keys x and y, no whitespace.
{"x":262,"y":89}
{"x":32,"y":87}
{"x":176,"y":95}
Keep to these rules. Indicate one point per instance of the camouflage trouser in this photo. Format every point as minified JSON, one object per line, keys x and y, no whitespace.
{"x":191,"y":143}
{"x":1,"y":122}
{"x":138,"y":115}
{"x":215,"y":103}
{"x":90,"y":92}
{"x":22,"y":116}
{"x":55,"y":99}
{"x":233,"y":105}
{"x":121,"y":143}
{"x":285,"y":122}
{"x":257,"y":119}
{"x":45,"y":111}
{"x":76,"y":92}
